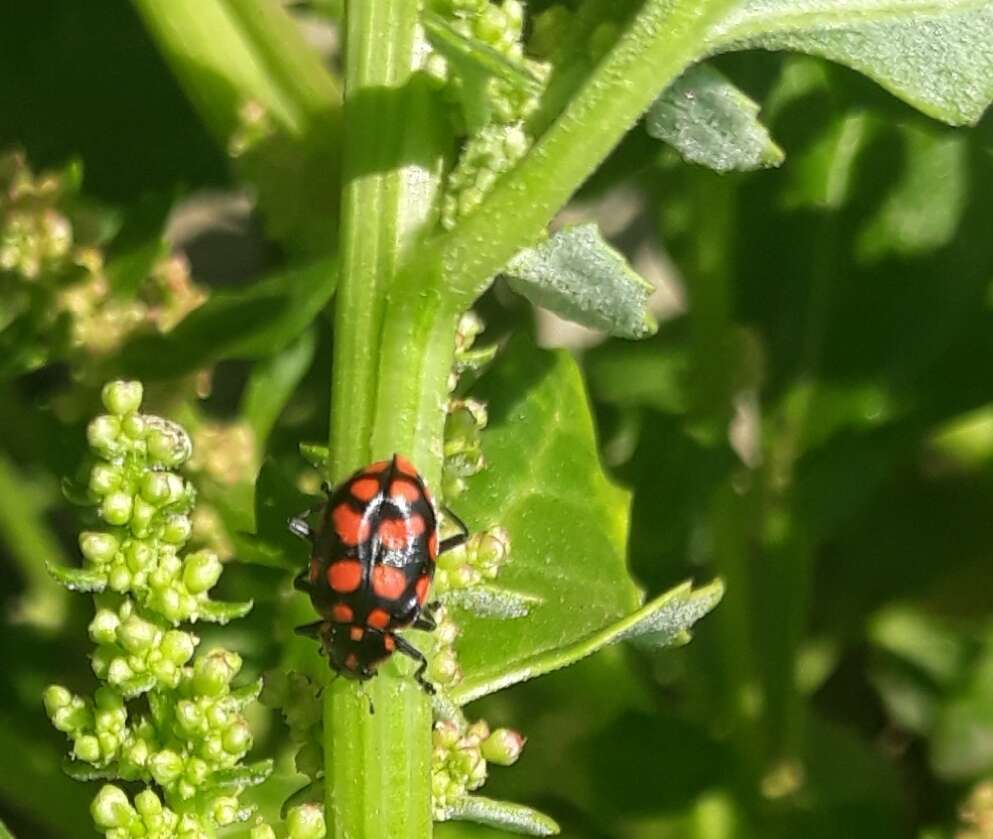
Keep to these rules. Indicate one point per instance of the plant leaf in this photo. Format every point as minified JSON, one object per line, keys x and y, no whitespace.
{"x":248,"y":323}
{"x":568,"y":532}
{"x":272,"y":384}
{"x":219,"y":611}
{"x":579,"y":277}
{"x":933,"y":54}
{"x":515,"y":818}
{"x":711,"y":122}
{"x":78,"y":579}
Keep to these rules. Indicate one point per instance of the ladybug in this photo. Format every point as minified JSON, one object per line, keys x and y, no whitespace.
{"x":371,"y":565}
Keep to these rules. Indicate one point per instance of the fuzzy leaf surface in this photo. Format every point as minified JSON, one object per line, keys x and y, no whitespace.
{"x":711,"y":122}
{"x":933,"y":54}
{"x":579,"y":277}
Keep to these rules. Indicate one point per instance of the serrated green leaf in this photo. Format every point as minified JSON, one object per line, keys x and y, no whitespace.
{"x":711,"y":122}
{"x":933,"y":54}
{"x":273,"y":382}
{"x":568,"y":531}
{"x":247,"y":693}
{"x":218,"y":611}
{"x":249,"y":323}
{"x":514,"y":818}
{"x":78,"y":579}
{"x":579,"y":277}
{"x":476,"y":55}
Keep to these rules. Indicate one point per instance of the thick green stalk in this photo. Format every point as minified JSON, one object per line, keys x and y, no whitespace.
{"x":378,"y":766}
{"x":659,"y":43}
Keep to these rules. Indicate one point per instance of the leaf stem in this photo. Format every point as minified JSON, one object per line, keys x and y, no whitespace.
{"x":658,"y":44}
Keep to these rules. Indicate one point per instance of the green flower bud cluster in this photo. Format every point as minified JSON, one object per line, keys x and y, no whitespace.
{"x":487,"y":155}
{"x":463,"y":452}
{"x":305,"y":821}
{"x":36,"y":238}
{"x":134,"y":652}
{"x":475,"y":563}
{"x":149,"y":509}
{"x":296,"y":697}
{"x":495,"y":110}
{"x":193,"y":726}
{"x":460,"y":756}
{"x":148,"y":817}
{"x":443,"y":665}
{"x":52,"y":269}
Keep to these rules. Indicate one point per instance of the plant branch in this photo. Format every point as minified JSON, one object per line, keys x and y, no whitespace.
{"x":659,"y":43}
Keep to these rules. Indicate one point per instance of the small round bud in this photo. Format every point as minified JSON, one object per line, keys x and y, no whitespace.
{"x":168,"y":444}
{"x":87,"y":748}
{"x":142,"y":514}
{"x":177,"y":530}
{"x":155,"y":488}
{"x":166,"y":766}
{"x":102,"y":434}
{"x":116,"y":508}
{"x":177,"y":646}
{"x":262,"y":831}
{"x":147,"y":803}
{"x":111,"y":808}
{"x":237,"y":738}
{"x":503,"y":747}
{"x":213,"y":672}
{"x":444,"y":667}
{"x":103,"y":627}
{"x":133,"y":426}
{"x":119,"y":671}
{"x":137,"y":635}
{"x":56,"y":698}
{"x":121,"y":397}
{"x":119,"y":578}
{"x":98,"y":548}
{"x":201,"y":571}
{"x":306,"y":822}
{"x":225,"y":810}
{"x":104,"y":478}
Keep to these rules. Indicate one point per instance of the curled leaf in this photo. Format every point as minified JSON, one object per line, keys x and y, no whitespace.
{"x":238,"y":777}
{"x":579,"y":277}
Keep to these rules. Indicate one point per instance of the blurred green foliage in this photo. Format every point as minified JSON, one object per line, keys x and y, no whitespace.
{"x":812,"y":424}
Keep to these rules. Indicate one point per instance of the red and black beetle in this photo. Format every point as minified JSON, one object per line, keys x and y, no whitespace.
{"x":371,"y":567}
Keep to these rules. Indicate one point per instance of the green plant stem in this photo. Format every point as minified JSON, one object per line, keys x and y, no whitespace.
{"x":228,"y":52}
{"x":658,"y":44}
{"x":378,"y":766}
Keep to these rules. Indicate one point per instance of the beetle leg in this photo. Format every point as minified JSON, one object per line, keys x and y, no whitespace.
{"x":310,"y":630}
{"x":426,"y":621}
{"x":453,"y":542}
{"x":301,"y":582}
{"x":411,"y":651}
